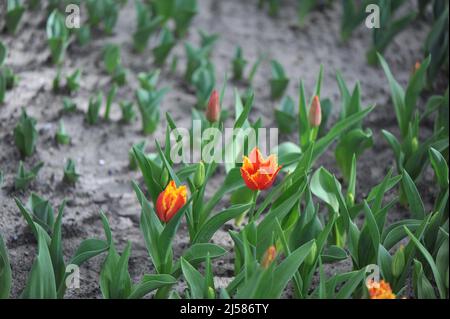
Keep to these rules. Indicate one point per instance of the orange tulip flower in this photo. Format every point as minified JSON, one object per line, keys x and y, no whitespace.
{"x":170,"y":201}
{"x":259,"y":173}
{"x":380,"y":290}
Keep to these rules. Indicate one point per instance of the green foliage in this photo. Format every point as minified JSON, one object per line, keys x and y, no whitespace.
{"x":25,"y":134}
{"x":71,"y":175}
{"x":57,"y":36}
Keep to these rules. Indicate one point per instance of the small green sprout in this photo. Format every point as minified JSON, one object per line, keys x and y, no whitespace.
{"x":111,"y":58}
{"x":279,"y":80}
{"x":103,"y":14}
{"x":25,"y":134}
{"x":61,"y":135}
{"x":148,"y":102}
{"x":109,"y":100}
{"x":58,"y":36}
{"x":166,"y":43}
{"x":69,"y":105}
{"x":185,"y":11}
{"x":238,"y":64}
{"x":73,"y":81}
{"x":149,"y":81}
{"x":95,"y":103}
{"x":128,"y":113}
{"x":14,"y":12}
{"x":83,"y":35}
{"x":70,"y":173}
{"x":25,"y":177}
{"x":146,"y":25}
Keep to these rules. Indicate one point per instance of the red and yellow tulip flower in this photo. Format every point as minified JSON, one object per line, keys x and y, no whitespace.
{"x":380,"y":290}
{"x":170,"y":201}
{"x":259,"y":173}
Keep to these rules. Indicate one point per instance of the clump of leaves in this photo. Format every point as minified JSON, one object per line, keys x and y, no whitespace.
{"x":61,"y":136}
{"x":115,"y":280}
{"x":390,"y":26}
{"x":185,"y":11}
{"x":25,"y":134}
{"x":128,"y":113}
{"x":71,"y":175}
{"x":355,"y":140}
{"x":147,"y":24}
{"x":149,"y":81}
{"x":148,"y":102}
{"x":411,"y":154}
{"x":57,"y":35}
{"x":166,"y":43}
{"x":204,"y":81}
{"x":95,"y":103}
{"x":48,"y":278}
{"x":285,"y":115}
{"x":111,"y":58}
{"x":196,"y":57}
{"x":279,"y":80}
{"x":103,"y":14}
{"x":24,"y":177}
{"x":436,"y":44}
{"x":238,"y":64}
{"x":69,"y":105}
{"x":354,"y":14}
{"x":73,"y":81}
{"x":14,"y":12}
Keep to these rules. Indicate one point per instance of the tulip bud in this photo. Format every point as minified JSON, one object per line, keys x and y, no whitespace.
{"x":415,"y":68}
{"x":164,"y":178}
{"x":315,"y":112}
{"x":414,"y":144}
{"x":269,"y":257}
{"x":213,"y":109}
{"x":312,"y":255}
{"x":199,"y":177}
{"x":350,"y":198}
{"x":398,"y":262}
{"x":211,"y":293}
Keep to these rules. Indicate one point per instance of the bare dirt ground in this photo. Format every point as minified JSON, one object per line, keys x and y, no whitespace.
{"x":101,"y":151}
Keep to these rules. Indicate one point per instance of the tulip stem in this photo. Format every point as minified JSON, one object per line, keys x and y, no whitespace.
{"x":253,"y":208}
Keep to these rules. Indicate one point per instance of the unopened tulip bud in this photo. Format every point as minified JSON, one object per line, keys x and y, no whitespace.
{"x":414,"y":144}
{"x":315,"y":112}
{"x":415,"y":68}
{"x":350,"y":198}
{"x":211,"y":293}
{"x":312,"y":255}
{"x":213,"y":109}
{"x":164,"y":178}
{"x":199,"y":177}
{"x":269,"y":257}
{"x":398,"y":262}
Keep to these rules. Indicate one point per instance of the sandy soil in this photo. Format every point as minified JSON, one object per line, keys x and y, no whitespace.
{"x":101,"y":151}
